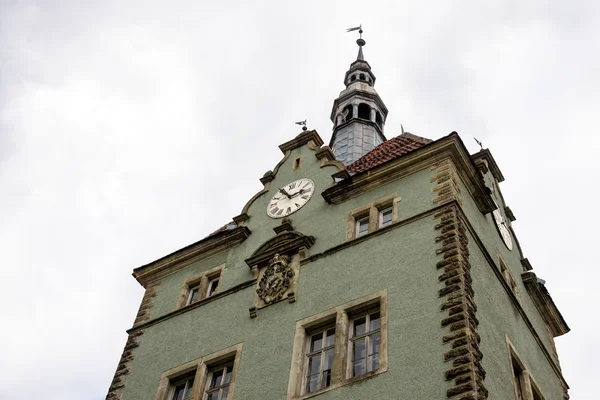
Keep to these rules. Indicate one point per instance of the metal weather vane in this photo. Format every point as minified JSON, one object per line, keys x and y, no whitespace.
{"x":303,"y":124}
{"x":356,"y":28}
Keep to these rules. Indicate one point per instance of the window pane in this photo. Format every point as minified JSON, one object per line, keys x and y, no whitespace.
{"x":179,"y":392}
{"x":193,"y":295}
{"x":327,"y":363}
{"x":385,"y":217}
{"x":216,"y":379}
{"x":359,"y":326}
{"x":374,"y":341}
{"x":316,"y":342}
{"x":358,"y":356}
{"x":188,"y":391}
{"x":212,"y":286}
{"x":314,"y":364}
{"x":224,"y":392}
{"x":362,"y":227}
{"x":329,"y":339}
{"x":313,"y":383}
{"x":228,"y":376}
{"x":373,"y":363}
{"x":374,"y":322}
{"x":213,"y":396}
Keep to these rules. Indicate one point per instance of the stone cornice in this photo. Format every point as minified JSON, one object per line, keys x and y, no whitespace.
{"x":206,"y":247}
{"x":491,"y":163}
{"x":301,"y":140}
{"x":447,"y":147}
{"x":544,"y":303}
{"x":189,"y":307}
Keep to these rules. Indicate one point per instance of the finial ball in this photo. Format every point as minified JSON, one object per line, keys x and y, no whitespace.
{"x":360,"y":42}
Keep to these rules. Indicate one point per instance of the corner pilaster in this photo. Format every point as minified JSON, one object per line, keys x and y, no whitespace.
{"x":461,"y":339}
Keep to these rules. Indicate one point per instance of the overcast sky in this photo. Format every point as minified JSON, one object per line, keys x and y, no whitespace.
{"x":129,"y":129}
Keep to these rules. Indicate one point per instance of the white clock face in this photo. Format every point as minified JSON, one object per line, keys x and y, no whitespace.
{"x":290,"y":198}
{"x":502,"y":228}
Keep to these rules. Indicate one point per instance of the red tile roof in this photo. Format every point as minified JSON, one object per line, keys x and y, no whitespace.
{"x":388,"y":150}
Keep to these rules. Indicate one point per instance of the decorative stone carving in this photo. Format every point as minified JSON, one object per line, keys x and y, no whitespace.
{"x":276,"y":279}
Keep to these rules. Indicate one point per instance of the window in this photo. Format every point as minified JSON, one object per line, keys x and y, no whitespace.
{"x":193,"y":294}
{"x":183,"y":390}
{"x":362,"y":226}
{"x":524,"y":386}
{"x":218,"y":382}
{"x":211,"y":377}
{"x":385,"y":217}
{"x":200,"y":287}
{"x":213,"y":284}
{"x":365,"y":338}
{"x":319,"y":359}
{"x":339,"y":346}
{"x":508,"y":277}
{"x":370,"y":217}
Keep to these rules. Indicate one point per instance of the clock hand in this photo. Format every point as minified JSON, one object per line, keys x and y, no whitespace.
{"x":299,"y":192}
{"x":285,"y":193}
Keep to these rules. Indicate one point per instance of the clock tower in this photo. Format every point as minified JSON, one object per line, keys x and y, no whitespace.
{"x":374,"y":268}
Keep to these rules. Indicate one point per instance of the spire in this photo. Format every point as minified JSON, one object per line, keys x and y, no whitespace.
{"x":360,"y":56}
{"x":358,"y":114}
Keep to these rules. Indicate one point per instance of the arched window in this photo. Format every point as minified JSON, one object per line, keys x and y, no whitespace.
{"x":364,"y":111}
{"x":353,"y":78}
{"x":378,"y":119}
{"x":362,"y":77}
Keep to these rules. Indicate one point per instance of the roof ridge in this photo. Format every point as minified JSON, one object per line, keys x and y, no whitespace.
{"x":416,"y":138}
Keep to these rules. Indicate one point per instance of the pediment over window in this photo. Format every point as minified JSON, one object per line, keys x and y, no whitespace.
{"x":287,"y":242}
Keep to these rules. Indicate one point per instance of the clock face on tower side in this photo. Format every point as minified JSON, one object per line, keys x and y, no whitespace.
{"x":502,"y":228}
{"x":290,"y":198}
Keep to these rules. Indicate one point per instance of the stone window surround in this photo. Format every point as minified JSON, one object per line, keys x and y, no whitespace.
{"x":340,"y":316}
{"x":530,"y":389}
{"x":371,"y":210}
{"x":201,"y":366}
{"x":202,"y":281}
{"x":508,"y":277}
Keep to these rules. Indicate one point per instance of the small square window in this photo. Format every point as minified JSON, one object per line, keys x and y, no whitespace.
{"x":365,"y":338}
{"x":213,"y":284}
{"x":319,"y":358}
{"x":193,"y":295}
{"x":218,"y":382}
{"x":385,"y":217}
{"x":362,"y":226}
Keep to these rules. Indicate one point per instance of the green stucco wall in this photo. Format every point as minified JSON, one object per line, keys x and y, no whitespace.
{"x":401,"y":260}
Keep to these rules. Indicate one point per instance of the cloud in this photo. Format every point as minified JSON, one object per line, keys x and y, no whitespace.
{"x":129,"y":130}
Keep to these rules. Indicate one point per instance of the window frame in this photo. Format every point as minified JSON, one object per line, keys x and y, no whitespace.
{"x":358,"y":224}
{"x":371,"y":212}
{"x":200,"y":369}
{"x":367,"y":336}
{"x":522,"y":380}
{"x":183,"y":380}
{"x":380,"y":218}
{"x":339,"y":317}
{"x":201,"y":282}
{"x":208,"y":390}
{"x":309,"y":354}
